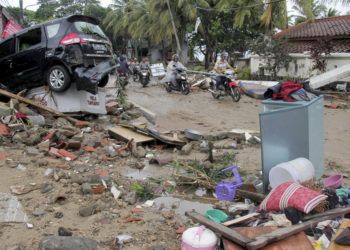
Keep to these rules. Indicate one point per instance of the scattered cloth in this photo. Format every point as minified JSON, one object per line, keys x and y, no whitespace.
{"x":287,"y":88}
{"x":290,"y":194}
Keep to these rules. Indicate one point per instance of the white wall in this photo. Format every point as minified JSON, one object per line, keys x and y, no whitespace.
{"x":301,"y":64}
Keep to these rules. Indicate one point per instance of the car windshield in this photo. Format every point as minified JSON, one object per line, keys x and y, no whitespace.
{"x":89,"y":28}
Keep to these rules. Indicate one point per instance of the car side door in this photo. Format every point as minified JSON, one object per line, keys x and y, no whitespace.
{"x":28,"y":63}
{"x":7,"y":49}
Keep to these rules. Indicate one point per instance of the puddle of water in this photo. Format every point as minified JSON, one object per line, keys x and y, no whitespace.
{"x":150,"y":170}
{"x":182,"y":206}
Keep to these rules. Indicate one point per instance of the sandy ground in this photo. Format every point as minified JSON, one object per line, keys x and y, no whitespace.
{"x":200,"y":111}
{"x":174,"y":111}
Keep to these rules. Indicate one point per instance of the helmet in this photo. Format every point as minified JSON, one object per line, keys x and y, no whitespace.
{"x":175,"y":57}
{"x":224,"y":55}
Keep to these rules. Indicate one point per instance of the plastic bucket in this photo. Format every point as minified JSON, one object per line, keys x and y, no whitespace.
{"x":298,"y":170}
{"x":198,"y":238}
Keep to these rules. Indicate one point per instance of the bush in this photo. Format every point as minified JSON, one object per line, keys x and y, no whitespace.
{"x":244,"y":74}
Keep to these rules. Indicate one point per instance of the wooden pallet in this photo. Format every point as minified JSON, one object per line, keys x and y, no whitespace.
{"x":267,"y":238}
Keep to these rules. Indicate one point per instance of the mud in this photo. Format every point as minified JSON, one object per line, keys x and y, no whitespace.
{"x":200,"y":111}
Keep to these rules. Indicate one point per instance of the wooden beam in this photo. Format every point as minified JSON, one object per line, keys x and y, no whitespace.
{"x":282,"y":233}
{"x":336,"y":212}
{"x":37,"y":105}
{"x":220,"y":229}
{"x":240,"y":219}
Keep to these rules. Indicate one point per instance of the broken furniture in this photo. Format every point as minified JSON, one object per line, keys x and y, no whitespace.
{"x":71,"y":100}
{"x":269,"y":237}
{"x":334,"y":75}
{"x":127,"y":134}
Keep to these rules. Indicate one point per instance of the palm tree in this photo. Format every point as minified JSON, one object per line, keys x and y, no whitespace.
{"x":275,"y":15}
{"x":317,"y":11}
{"x":332,"y":12}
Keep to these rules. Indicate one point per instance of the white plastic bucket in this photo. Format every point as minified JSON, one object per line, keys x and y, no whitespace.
{"x":298,"y":170}
{"x":198,"y":238}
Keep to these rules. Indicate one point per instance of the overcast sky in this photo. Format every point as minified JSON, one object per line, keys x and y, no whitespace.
{"x":32,"y":4}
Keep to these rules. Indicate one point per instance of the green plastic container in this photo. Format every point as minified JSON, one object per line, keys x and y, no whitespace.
{"x":216,"y":215}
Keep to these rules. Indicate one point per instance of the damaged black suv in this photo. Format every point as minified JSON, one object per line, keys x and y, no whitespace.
{"x":58,"y":52}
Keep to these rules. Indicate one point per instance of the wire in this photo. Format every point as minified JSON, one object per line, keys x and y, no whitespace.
{"x":238,"y":8}
{"x":7,"y":3}
{"x":2,"y":2}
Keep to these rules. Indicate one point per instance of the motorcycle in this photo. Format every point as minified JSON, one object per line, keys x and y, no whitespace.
{"x":136,"y":73}
{"x":181,"y":83}
{"x":229,"y":87}
{"x":123,"y":79}
{"x":144,"y":77}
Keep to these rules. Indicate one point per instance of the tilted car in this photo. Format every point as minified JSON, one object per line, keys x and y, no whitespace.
{"x":57,"y":53}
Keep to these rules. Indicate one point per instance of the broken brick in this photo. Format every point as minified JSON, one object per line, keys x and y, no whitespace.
{"x":54,"y":152}
{"x":111,"y":106}
{"x":136,"y":210}
{"x":4,"y":130}
{"x":66,"y":154}
{"x":98,"y":189}
{"x":81,"y":124}
{"x":89,"y":149}
{"x":133,"y":219}
{"x":3,"y":156}
{"x":331,"y":106}
{"x":181,"y":230}
{"x":102,"y":172}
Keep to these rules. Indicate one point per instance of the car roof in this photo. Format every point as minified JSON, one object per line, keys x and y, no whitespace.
{"x":70,"y":18}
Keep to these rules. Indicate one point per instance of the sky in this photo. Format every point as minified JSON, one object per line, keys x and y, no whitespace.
{"x":31,"y":4}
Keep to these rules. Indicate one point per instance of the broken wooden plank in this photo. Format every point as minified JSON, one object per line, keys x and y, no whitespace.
{"x":282,"y":233}
{"x":220,"y":229}
{"x":171,"y":140}
{"x":37,"y":105}
{"x":336,"y":211}
{"x":127,"y":134}
{"x":285,"y":244}
{"x":240,"y":219}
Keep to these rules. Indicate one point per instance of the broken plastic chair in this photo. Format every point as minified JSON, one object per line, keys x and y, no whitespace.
{"x":226,"y":190}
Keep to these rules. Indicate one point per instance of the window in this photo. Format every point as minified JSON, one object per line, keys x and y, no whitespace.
{"x":7,"y":48}
{"x":89,"y":28}
{"x":29,"y":39}
{"x":296,"y":66}
{"x":52,"y":30}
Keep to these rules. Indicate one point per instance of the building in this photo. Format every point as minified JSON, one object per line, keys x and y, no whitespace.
{"x":302,"y":37}
{"x":8,"y":24}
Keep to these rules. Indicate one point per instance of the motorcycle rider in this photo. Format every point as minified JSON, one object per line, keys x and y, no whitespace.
{"x":220,"y":67}
{"x":124,"y":66}
{"x":144,"y":64}
{"x":173,"y":66}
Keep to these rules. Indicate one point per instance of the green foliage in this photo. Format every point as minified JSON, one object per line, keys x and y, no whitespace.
{"x":319,"y":53}
{"x":29,"y":15}
{"x":244,"y":73}
{"x":308,"y":10}
{"x":273,"y":51}
{"x":143,"y":190}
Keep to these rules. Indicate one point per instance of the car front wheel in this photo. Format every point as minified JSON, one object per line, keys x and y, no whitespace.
{"x":58,"y":78}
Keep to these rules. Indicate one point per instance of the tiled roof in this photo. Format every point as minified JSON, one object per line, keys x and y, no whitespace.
{"x":331,"y":27}
{"x":338,"y":46}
